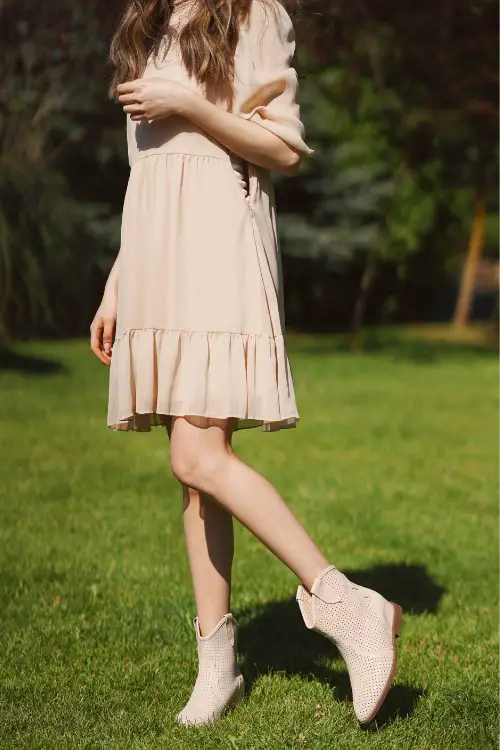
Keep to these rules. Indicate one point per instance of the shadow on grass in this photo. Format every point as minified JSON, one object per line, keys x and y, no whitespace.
{"x":273,"y":638}
{"x":409,"y":585}
{"x":28,"y":364}
{"x":404,"y":347}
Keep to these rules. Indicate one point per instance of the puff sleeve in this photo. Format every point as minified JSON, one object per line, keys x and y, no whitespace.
{"x":268,"y":86}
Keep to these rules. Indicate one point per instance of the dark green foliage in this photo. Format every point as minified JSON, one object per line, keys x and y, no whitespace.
{"x":400,"y":103}
{"x":57,"y":138}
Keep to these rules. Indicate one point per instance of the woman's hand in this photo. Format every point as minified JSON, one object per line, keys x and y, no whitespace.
{"x":102,"y":330}
{"x":157,"y":98}
{"x":152,"y":98}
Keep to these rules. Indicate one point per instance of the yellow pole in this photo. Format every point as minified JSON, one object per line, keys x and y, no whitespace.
{"x":474,"y":252}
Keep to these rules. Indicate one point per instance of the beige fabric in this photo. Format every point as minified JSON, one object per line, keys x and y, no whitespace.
{"x":200,"y":307}
{"x":219,"y":685}
{"x":363,"y":625}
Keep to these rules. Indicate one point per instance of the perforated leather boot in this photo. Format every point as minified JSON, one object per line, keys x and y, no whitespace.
{"x":363,"y":626}
{"x":219,"y":685}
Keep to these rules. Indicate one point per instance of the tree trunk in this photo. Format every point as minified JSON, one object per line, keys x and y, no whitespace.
{"x":476,"y":244}
{"x":365,"y":286}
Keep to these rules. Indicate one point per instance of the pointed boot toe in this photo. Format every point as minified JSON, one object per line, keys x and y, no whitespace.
{"x":363,"y":626}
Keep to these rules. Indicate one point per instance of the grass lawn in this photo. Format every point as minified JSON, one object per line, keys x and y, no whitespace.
{"x":393,"y":469}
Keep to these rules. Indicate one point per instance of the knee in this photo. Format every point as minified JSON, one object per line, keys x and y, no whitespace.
{"x":196,"y":471}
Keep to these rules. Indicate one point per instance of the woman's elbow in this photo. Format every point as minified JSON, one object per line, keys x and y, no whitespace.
{"x":290,"y":163}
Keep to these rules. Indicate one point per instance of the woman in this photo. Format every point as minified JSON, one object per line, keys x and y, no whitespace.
{"x":194,"y":307}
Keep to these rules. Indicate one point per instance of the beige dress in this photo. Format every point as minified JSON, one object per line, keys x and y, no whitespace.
{"x":200,"y":308}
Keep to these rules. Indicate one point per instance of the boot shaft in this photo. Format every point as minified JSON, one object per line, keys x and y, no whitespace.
{"x":217,"y":651}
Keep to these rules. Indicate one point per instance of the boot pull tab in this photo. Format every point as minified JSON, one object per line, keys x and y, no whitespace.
{"x":230,"y":631}
{"x":330,"y":586}
{"x":300,"y":596}
{"x":326,"y":593}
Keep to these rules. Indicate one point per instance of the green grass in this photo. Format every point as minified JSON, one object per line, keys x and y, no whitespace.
{"x":393,"y":469}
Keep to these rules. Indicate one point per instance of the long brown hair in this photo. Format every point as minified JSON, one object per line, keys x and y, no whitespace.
{"x":207,"y":42}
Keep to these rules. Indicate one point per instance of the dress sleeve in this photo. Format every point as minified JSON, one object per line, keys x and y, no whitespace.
{"x":270,"y":96}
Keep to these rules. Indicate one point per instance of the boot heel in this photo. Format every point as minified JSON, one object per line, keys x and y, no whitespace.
{"x":397,"y":621}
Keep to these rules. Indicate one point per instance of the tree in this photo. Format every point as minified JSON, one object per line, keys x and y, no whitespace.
{"x":53,"y":233}
{"x":431,"y":74}
{"x":400,"y":102}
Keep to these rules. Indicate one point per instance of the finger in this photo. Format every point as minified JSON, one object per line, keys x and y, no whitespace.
{"x":128,"y":87}
{"x":128,"y":98}
{"x":134,"y":109}
{"x":97,"y":351}
{"x":102,"y":356}
{"x":96,"y":334}
{"x":108,"y":335}
{"x":96,"y":331}
{"x":140,"y":118}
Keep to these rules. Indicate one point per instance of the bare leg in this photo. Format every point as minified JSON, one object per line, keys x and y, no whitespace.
{"x":210,"y":546}
{"x":209,"y":533}
{"x":202,"y":458}
{"x":361,"y":622}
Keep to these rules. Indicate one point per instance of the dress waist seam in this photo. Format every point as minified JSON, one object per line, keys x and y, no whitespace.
{"x":226,"y":159}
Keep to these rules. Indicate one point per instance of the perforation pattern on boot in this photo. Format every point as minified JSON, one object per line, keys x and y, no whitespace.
{"x":359,"y":622}
{"x":368,"y":676}
{"x":219,"y":684}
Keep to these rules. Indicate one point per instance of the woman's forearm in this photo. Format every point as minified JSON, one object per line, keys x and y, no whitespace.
{"x":112,"y":280}
{"x":242,"y":137}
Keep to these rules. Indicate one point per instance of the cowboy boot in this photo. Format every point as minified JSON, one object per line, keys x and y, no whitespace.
{"x":219,"y":685}
{"x":363,"y":625}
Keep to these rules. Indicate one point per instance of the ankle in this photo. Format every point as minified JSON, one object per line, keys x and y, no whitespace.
{"x":314,"y":574}
{"x":208,"y":622}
